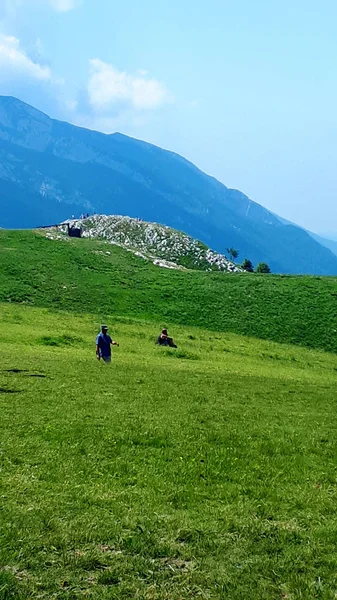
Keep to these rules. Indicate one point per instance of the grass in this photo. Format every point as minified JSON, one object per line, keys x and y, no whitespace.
{"x":206,"y":473}
{"x":79,"y":276}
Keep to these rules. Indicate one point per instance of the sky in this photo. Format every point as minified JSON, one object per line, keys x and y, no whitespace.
{"x":246,"y":90}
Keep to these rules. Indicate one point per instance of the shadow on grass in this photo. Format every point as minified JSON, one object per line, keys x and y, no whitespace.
{"x":182,"y":354}
{"x":24,"y":372}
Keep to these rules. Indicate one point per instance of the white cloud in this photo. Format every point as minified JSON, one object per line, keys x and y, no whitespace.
{"x":108,"y":87}
{"x":112,"y":100}
{"x":15,"y":63}
{"x":25,"y":76}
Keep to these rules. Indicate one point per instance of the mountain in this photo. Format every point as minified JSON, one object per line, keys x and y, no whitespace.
{"x":326,"y":242}
{"x":160,"y":244}
{"x":328,"y":236}
{"x":51,"y":170}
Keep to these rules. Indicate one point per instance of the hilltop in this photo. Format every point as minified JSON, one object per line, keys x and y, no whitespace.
{"x":51,"y":170}
{"x":162,"y":245}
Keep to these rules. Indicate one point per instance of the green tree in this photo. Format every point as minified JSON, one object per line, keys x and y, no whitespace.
{"x":233,"y":253}
{"x":262,"y":267}
{"x":247,"y":265}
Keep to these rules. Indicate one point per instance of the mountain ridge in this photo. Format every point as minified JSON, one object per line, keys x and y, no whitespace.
{"x":50,"y":170}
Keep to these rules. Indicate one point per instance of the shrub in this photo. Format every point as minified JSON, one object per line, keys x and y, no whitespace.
{"x":247,"y":265}
{"x":262,"y":267}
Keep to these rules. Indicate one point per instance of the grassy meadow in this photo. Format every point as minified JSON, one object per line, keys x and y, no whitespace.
{"x":207,"y":472}
{"x":98,"y":278}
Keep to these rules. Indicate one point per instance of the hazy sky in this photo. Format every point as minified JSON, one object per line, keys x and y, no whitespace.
{"x":245,"y":89}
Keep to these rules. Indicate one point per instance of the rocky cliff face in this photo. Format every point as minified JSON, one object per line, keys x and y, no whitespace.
{"x":50,"y":170}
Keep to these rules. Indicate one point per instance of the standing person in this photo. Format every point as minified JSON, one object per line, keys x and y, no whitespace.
{"x":103,"y":345}
{"x":165,"y":340}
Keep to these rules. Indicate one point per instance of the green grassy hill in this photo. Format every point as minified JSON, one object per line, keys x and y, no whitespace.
{"x":203,"y":472}
{"x":90,"y":276}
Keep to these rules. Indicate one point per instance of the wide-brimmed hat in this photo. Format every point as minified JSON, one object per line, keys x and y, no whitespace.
{"x":104,"y":327}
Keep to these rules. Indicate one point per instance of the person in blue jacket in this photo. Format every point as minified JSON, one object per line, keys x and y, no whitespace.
{"x":103,"y":345}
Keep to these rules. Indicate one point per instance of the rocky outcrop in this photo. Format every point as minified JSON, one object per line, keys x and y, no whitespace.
{"x":162,"y":245}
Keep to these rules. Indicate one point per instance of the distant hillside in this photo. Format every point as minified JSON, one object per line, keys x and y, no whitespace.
{"x":81,"y":276}
{"x":326,"y":242}
{"x":162,"y":245}
{"x":51,"y":170}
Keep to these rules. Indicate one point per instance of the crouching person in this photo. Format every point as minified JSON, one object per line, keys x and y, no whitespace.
{"x":165,"y":340}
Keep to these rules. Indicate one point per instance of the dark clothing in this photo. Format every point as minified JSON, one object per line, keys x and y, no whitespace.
{"x":162,"y":341}
{"x":104,"y":341}
{"x":107,"y":359}
{"x":165,"y":341}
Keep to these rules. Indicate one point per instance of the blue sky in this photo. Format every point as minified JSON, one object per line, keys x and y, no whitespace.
{"x":246,"y":90}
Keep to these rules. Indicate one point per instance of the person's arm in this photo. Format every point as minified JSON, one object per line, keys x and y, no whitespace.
{"x":113,"y":343}
{"x":97,"y":348}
